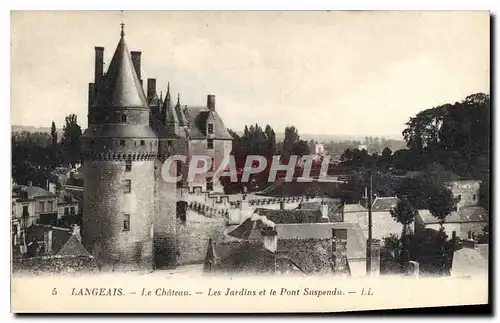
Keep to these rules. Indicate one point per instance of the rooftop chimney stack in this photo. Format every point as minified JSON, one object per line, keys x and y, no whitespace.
{"x":136,"y":60}
{"x":99,"y":65}
{"x":211,"y":102}
{"x":151,"y":88}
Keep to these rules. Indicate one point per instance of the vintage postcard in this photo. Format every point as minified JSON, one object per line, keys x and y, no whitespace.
{"x":228,"y":162}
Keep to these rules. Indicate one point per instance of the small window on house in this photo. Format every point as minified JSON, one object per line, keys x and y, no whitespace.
{"x":473,"y":197}
{"x":143,"y":142}
{"x":66,"y":211}
{"x":135,"y":143}
{"x":470,"y":235}
{"x":169,"y":143}
{"x":124,"y":118}
{"x":210,"y":184}
{"x":41,"y":206}
{"x":92,"y":143}
{"x":210,"y":128}
{"x":210,"y":144}
{"x":50,"y":206}
{"x":25,"y":211}
{"x":122,"y":143}
{"x":127,"y":186}
{"x":72,"y":210}
{"x":126,"y":222}
{"x":128,"y":165}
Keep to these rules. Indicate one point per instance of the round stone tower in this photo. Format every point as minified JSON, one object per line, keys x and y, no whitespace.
{"x":119,"y":150}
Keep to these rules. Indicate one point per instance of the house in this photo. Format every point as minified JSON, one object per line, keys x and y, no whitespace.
{"x":68,"y":207}
{"x":52,"y":250}
{"x":383,"y":224}
{"x":31,"y":205}
{"x":465,"y":192}
{"x":466,"y":223}
{"x":305,"y":248}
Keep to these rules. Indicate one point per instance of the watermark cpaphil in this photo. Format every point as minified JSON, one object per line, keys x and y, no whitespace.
{"x":254,"y":165}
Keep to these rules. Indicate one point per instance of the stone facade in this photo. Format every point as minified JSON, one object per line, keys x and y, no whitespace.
{"x":465,"y":192}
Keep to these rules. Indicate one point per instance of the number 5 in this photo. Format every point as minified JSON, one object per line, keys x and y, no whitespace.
{"x":54,"y":291}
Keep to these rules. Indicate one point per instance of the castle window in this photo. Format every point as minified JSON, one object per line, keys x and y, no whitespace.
{"x":127,"y":186}
{"x":128,"y":165}
{"x":122,"y":143}
{"x":210,"y":144}
{"x":210,"y":183}
{"x":124,"y":118}
{"x":126,"y":222}
{"x":143,"y":143}
{"x":210,"y":128}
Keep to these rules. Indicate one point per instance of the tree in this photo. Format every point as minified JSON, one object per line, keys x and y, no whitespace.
{"x":441,"y":203}
{"x":404,"y":213}
{"x":291,"y":137}
{"x":70,"y":141}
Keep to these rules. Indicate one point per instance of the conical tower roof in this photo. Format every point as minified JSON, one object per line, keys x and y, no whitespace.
{"x":168,"y":109}
{"x":122,"y":87}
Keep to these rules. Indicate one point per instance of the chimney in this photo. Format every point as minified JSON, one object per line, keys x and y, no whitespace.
{"x":76,"y":232}
{"x":151,"y":88}
{"x":211,"y":102}
{"x":339,"y":251}
{"x":91,"y":95}
{"x":324,"y":213}
{"x":48,"y":241}
{"x":99,"y":65}
{"x":269,"y":238}
{"x":136,"y":60}
{"x":52,"y":188}
{"x":375,"y":257}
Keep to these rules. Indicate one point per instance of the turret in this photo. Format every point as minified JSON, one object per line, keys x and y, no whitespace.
{"x":119,"y":149}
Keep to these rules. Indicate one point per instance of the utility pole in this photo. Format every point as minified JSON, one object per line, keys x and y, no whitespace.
{"x":369,"y":241}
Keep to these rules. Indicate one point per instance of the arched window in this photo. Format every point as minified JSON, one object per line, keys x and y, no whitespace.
{"x":124,"y":118}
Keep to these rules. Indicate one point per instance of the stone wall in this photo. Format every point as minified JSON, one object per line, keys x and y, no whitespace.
{"x":194,"y":234}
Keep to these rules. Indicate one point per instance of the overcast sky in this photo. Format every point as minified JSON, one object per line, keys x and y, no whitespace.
{"x":357,"y":73}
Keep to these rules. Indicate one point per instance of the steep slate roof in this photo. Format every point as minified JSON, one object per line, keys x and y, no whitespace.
{"x":356,"y":243}
{"x":121,"y":87}
{"x":73,"y":247}
{"x":294,"y":188}
{"x":291,"y":216}
{"x":473,"y":214}
{"x":384,"y":203}
{"x":335,"y":208}
{"x":197,"y":122}
{"x":354,"y":208}
{"x":427,"y":217}
{"x":33,"y":191}
{"x":59,"y":236}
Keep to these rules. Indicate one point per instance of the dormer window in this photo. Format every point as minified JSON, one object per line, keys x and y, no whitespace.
{"x":210,"y":128}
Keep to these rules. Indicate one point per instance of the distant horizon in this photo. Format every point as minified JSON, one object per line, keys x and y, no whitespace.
{"x":279,"y":134}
